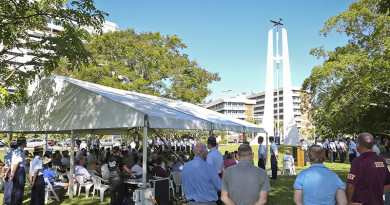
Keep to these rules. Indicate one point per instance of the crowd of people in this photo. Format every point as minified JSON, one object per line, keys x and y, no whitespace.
{"x":208,"y":176}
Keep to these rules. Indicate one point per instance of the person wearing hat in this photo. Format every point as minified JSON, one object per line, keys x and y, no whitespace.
{"x":51,"y":176}
{"x":18,"y":174}
{"x":36,"y":177}
{"x":8,"y":184}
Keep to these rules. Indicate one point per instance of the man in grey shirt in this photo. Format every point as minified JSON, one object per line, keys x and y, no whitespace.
{"x":244,"y":183}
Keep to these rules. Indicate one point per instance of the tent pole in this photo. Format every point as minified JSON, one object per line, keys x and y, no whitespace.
{"x":266,"y":150}
{"x":211,"y":130}
{"x":144,"y":153}
{"x":9,"y":142}
{"x":46,"y":140}
{"x":71,"y":161}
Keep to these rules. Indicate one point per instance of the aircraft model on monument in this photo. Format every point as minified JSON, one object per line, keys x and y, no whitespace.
{"x":290,"y":134}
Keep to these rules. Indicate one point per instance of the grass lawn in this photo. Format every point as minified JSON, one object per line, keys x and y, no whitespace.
{"x":282,"y":189}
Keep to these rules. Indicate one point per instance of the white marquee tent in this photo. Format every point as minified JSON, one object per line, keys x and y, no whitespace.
{"x":60,"y":104}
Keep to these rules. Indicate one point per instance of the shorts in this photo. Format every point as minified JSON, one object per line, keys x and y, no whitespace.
{"x":58,"y":185}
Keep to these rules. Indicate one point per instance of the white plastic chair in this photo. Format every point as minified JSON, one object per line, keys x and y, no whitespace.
{"x":177,"y":180}
{"x":48,"y":189}
{"x":75,"y":185}
{"x":87,"y":185}
{"x":288,"y":167}
{"x":98,"y":186}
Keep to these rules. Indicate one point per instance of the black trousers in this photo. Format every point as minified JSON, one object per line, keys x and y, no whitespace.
{"x":351,"y":157}
{"x":38,"y":191}
{"x":18,"y":186}
{"x":8,"y":184}
{"x":260,"y":163}
{"x":116,"y":191}
{"x":274,"y":167}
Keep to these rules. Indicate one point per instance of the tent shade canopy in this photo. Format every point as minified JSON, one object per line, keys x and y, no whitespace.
{"x":60,"y":104}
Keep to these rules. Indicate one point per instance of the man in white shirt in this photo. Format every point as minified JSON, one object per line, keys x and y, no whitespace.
{"x":81,"y":170}
{"x":137,"y":169}
{"x":83,"y":145}
{"x":289,"y":159}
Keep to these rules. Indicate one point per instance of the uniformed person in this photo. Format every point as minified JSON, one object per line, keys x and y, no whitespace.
{"x":36,"y":178}
{"x":116,"y":167}
{"x":18,"y":175}
{"x":6,"y":173}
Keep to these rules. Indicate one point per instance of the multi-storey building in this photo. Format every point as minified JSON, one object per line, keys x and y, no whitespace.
{"x":239,"y":107}
{"x":19,"y":56}
{"x":301,"y":116}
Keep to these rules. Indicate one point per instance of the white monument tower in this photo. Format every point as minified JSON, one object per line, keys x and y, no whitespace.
{"x":290,"y":135}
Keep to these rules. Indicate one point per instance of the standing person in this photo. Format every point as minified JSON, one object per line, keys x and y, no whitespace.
{"x":6,"y":173}
{"x":214,"y":157}
{"x":343,"y":151}
{"x":274,"y":158}
{"x":351,"y":149}
{"x":262,"y":155}
{"x":386,"y":145}
{"x":318,"y":183}
{"x":200,"y":180}
{"x":244,"y":183}
{"x":116,"y":167}
{"x":228,"y":162}
{"x":304,"y":148}
{"x":36,"y":178}
{"x":18,"y":174}
{"x":332,"y":150}
{"x":326,"y":147}
{"x":369,"y":178}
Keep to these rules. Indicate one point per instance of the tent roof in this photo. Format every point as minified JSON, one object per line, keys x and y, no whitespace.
{"x":60,"y":104}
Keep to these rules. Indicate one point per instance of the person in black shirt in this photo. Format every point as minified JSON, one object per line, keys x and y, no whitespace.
{"x":116,"y":166}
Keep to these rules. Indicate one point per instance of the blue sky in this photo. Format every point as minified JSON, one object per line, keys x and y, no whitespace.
{"x":230,"y":37}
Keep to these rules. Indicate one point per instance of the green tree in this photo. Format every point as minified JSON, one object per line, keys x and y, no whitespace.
{"x":350,"y":90}
{"x":18,"y":19}
{"x":148,"y":63}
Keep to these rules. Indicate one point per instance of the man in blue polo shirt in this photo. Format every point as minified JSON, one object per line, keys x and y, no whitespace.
{"x":200,"y":179}
{"x":317,"y":183}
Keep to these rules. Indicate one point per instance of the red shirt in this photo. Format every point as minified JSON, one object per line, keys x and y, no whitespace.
{"x":229,"y":162}
{"x":368,"y":174}
{"x":159,"y":171}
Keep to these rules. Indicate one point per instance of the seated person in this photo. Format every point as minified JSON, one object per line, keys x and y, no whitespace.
{"x":65,"y":159}
{"x":137,"y":169}
{"x":81,"y":170}
{"x":178,"y":167}
{"x":92,"y":165}
{"x":289,"y":158}
{"x":158,"y":170}
{"x":48,"y":173}
{"x":57,"y":161}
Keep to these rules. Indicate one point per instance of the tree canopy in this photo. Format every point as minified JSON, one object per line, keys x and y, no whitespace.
{"x":19,"y":19}
{"x":148,"y":63}
{"x":351,"y":90}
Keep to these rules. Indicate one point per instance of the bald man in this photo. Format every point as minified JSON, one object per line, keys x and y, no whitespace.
{"x":369,"y":177}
